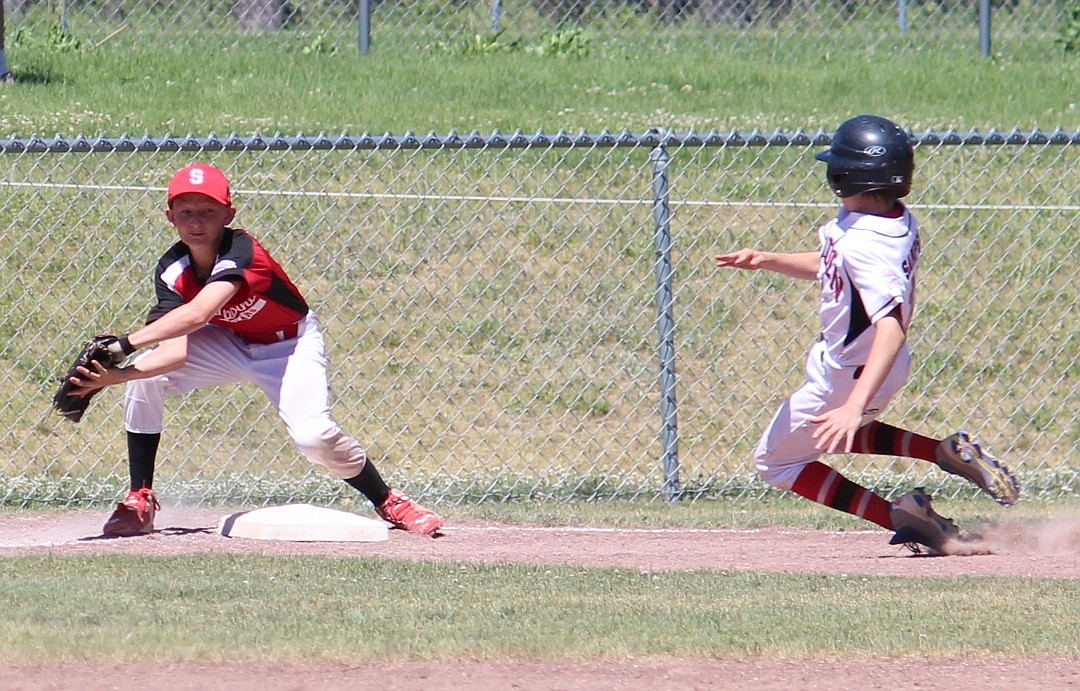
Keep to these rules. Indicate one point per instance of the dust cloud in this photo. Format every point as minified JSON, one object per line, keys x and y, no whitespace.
{"x":1058,"y":536}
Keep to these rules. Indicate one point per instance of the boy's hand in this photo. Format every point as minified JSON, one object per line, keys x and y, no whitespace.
{"x":84,"y":378}
{"x":838,"y":426}
{"x":745,"y":258}
{"x":94,"y":377}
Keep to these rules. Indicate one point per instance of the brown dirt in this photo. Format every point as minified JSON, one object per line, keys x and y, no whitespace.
{"x":1047,"y":550}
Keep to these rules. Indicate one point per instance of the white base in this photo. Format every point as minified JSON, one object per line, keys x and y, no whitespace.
{"x":303,"y":523}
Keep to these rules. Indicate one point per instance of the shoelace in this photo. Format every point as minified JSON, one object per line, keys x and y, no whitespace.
{"x":405,"y":510}
{"x":145,"y":499}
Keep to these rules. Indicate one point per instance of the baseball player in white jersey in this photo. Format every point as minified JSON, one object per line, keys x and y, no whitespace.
{"x":227,"y":313}
{"x":867,"y":268}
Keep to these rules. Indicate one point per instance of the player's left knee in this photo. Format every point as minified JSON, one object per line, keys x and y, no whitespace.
{"x":315,"y":434}
{"x":782,"y":477}
{"x":323,"y":442}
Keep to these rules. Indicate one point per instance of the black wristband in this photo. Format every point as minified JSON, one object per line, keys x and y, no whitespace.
{"x":125,"y":345}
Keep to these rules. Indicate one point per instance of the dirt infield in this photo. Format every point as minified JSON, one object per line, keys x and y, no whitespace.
{"x":1047,"y":550}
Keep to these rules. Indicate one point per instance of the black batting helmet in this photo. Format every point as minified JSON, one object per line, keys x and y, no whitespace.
{"x":868,"y":154}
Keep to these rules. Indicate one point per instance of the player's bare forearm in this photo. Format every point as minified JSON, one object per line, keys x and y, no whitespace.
{"x":837,"y":427}
{"x":168,"y":356}
{"x":889,"y":338}
{"x":802,"y":265}
{"x":186,"y":318}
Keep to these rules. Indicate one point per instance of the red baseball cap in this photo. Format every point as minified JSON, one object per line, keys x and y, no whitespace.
{"x":201,"y":179}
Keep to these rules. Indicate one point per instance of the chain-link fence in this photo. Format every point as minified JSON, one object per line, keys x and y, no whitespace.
{"x":539,"y":316}
{"x":1016,"y":27}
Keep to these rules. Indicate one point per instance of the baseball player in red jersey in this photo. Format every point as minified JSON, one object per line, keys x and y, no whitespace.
{"x":867,"y":268}
{"x":227,"y":313}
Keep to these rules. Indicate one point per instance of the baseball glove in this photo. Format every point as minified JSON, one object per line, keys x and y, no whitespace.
{"x":95,"y":350}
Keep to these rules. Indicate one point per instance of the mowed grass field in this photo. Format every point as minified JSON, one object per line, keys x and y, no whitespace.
{"x":298,"y":608}
{"x":217,"y":607}
{"x":269,"y":84}
{"x":221,"y":608}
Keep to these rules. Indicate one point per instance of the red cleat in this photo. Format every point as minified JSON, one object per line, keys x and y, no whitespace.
{"x":406,"y":514}
{"x":134,"y":515}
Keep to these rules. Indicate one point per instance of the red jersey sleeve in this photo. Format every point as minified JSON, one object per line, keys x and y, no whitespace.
{"x":267,"y":305}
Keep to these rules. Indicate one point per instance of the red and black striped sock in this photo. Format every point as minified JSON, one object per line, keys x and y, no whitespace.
{"x":818,"y":482}
{"x":879,"y":438}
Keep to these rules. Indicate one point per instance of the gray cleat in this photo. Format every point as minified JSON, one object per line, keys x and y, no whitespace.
{"x":918,"y":526}
{"x":961,"y":455}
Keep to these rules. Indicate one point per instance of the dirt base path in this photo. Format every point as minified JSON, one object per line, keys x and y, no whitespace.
{"x":635,"y":675}
{"x":1047,"y":550}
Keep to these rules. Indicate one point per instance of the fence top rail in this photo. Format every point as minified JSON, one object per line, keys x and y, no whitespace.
{"x":499,"y":140}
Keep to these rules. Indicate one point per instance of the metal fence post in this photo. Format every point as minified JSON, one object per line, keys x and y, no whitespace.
{"x":365,"y":27}
{"x":984,"y":28}
{"x":902,"y":15}
{"x":665,"y":323}
{"x":496,"y":17}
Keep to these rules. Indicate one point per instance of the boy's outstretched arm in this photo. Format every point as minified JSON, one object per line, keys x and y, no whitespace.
{"x":186,"y":318}
{"x":168,"y":356}
{"x":838,"y":426}
{"x":170,"y":331}
{"x":797,"y":265}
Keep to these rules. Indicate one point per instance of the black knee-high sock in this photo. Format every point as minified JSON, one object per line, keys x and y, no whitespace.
{"x":142,"y":454}
{"x":370,"y":484}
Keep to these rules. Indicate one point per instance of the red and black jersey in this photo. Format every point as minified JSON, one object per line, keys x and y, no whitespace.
{"x":266,"y":308}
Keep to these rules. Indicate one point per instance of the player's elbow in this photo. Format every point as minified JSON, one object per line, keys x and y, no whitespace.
{"x":893,"y":320}
{"x":175,"y":363}
{"x":170,"y":355}
{"x":195,"y":318}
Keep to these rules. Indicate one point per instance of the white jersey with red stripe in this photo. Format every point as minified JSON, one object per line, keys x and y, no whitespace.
{"x":867,"y":268}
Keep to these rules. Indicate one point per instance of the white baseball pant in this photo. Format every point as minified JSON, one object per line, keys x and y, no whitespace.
{"x":787,"y":446}
{"x":292,"y":374}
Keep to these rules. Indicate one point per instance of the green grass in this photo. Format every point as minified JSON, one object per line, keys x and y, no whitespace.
{"x":491,"y":350}
{"x":216,"y":607}
{"x":141,"y":87}
{"x":777,"y":509}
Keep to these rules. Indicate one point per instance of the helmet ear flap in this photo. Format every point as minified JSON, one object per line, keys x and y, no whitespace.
{"x":836,"y":178}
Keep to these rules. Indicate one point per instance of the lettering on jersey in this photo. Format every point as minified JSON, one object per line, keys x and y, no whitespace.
{"x":831,"y":280}
{"x":912,"y":259}
{"x":894,"y":282}
{"x":244,"y":311}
